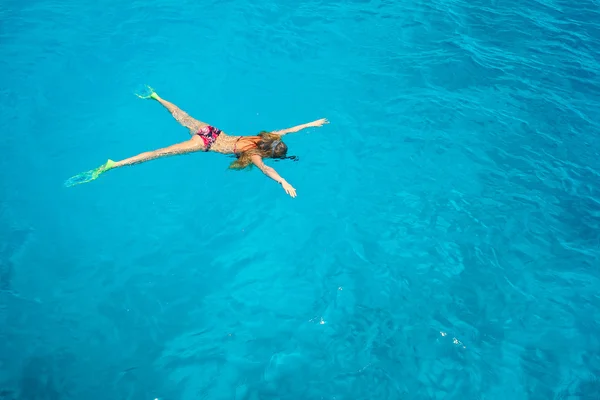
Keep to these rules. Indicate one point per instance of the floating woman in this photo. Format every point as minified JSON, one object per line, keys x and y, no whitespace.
{"x":249,"y":150}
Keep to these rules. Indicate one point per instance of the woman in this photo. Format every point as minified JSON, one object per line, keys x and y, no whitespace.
{"x":249,"y":150}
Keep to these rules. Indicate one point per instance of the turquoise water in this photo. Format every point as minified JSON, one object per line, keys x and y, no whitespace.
{"x":444,"y":243}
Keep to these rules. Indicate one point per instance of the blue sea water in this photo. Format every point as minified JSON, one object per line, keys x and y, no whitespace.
{"x":444,"y":244}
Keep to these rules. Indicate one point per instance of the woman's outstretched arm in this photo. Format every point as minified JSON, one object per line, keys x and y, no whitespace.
{"x":271,"y":173}
{"x":314,"y":124}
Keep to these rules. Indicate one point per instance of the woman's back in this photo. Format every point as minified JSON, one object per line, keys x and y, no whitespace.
{"x":227,"y":144}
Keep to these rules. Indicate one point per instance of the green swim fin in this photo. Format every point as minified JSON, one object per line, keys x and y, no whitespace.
{"x":90,"y":175}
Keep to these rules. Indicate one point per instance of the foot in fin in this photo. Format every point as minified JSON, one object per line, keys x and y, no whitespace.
{"x":149,"y":93}
{"x":90,"y":175}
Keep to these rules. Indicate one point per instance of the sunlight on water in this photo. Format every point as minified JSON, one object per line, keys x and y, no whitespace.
{"x":444,"y":243}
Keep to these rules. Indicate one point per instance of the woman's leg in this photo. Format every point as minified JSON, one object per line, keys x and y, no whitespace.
{"x":189,"y":146}
{"x":180,"y":116}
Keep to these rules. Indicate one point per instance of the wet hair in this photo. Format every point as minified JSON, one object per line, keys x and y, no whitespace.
{"x":269,"y":146}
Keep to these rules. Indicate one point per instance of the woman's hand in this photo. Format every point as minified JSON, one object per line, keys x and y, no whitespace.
{"x":288,"y":189}
{"x":314,"y":124}
{"x":319,"y":122}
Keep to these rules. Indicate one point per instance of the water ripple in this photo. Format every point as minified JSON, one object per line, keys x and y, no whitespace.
{"x":444,"y":243}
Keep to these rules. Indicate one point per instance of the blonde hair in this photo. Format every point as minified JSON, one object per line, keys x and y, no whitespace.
{"x":263,"y":148}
